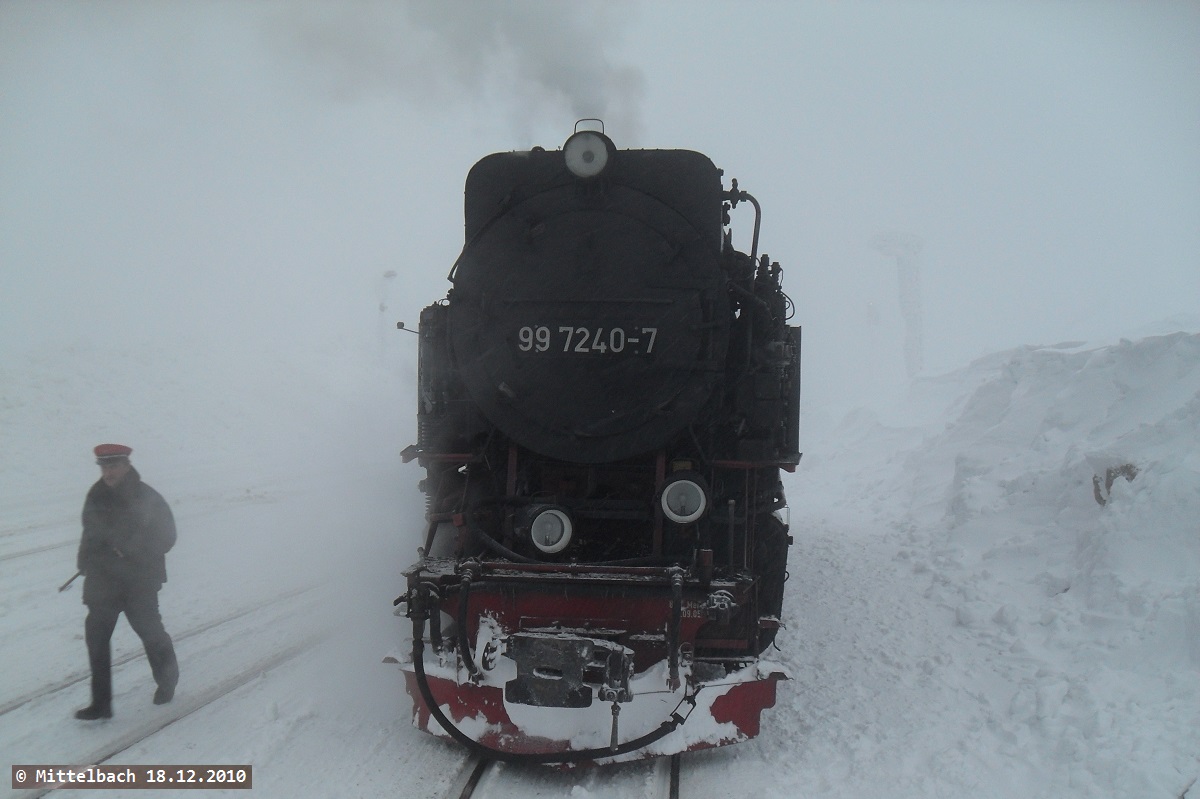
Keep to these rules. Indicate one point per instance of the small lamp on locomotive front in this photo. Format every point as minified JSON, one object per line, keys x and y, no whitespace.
{"x":684,"y":498}
{"x":587,"y":153}
{"x":550,"y":528}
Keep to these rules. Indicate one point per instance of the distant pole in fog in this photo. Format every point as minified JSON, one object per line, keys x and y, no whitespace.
{"x":905,"y":248}
{"x":384,"y":286}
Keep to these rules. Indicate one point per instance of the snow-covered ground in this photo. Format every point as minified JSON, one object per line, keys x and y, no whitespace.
{"x":964,"y":618}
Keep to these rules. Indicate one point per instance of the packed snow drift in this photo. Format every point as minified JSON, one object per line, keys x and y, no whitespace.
{"x":994,"y":587}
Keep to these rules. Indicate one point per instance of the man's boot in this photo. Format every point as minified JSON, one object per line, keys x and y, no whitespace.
{"x":167,"y":676}
{"x":164,"y":694}
{"x":94,"y":711}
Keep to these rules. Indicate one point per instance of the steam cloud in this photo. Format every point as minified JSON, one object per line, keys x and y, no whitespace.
{"x":540,"y":59}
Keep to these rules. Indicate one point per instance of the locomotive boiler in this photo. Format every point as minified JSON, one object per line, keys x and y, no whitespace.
{"x":606,"y":398}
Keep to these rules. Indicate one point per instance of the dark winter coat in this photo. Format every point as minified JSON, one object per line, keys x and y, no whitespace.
{"x":127,"y":531}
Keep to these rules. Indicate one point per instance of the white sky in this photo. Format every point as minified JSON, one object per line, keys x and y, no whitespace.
{"x":249,"y":169}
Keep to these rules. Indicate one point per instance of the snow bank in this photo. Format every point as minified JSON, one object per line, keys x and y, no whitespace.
{"x":1005,"y":488}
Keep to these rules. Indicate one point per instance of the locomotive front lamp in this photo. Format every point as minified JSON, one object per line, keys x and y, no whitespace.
{"x":586,"y":153}
{"x":550,"y":530}
{"x":684,"y":500}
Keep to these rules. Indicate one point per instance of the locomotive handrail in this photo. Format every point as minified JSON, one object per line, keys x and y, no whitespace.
{"x":423,"y":456}
{"x":735,"y":196}
{"x":510,"y":202}
{"x":664,"y":571}
{"x":787,"y":465}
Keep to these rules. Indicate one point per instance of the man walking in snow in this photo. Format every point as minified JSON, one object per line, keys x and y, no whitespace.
{"x":127,"y":530}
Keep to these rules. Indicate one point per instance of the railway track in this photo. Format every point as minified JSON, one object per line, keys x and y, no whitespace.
{"x":35,"y":550}
{"x":183,"y":708}
{"x":481,"y":778}
{"x":81,"y":676}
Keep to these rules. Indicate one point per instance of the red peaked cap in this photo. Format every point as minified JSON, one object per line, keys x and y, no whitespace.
{"x":108,"y":452}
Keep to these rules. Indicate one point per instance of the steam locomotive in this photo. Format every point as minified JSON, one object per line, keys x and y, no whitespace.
{"x":607,"y":396}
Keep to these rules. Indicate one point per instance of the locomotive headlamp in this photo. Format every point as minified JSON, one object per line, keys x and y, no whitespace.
{"x":550,"y":529}
{"x":586,"y":153}
{"x":684,"y":499}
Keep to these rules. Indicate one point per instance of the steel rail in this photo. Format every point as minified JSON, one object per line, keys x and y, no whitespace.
{"x":473,"y":781}
{"x":186,"y":708}
{"x":81,"y":676}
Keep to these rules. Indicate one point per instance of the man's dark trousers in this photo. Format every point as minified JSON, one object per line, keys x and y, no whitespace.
{"x":141,"y":609}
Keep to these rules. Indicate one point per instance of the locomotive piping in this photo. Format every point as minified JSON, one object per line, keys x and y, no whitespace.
{"x":751,"y":296}
{"x":735,"y":196}
{"x":464,"y":645}
{"x":498,"y":548}
{"x":757,"y":222}
{"x":676,"y":620}
{"x":435,"y":621}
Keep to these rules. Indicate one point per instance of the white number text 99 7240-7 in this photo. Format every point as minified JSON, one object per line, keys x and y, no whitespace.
{"x":587,"y":340}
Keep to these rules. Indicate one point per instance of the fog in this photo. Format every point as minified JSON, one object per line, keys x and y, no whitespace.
{"x":228,"y":173}
{"x":213,"y":213}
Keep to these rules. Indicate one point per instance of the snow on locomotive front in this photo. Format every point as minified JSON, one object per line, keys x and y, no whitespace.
{"x":607,"y":396}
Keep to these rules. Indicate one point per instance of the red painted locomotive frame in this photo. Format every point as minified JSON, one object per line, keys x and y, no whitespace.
{"x":719,"y":698}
